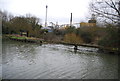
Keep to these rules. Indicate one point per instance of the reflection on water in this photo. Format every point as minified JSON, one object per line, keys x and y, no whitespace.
{"x":56,"y":61}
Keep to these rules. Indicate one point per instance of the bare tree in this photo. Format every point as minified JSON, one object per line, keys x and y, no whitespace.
{"x":107,"y":10}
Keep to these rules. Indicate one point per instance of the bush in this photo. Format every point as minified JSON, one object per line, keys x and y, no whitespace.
{"x":85,"y":35}
{"x":111,"y":39}
{"x":73,"y":38}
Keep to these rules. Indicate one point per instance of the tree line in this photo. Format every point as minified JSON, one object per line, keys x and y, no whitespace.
{"x":14,"y":25}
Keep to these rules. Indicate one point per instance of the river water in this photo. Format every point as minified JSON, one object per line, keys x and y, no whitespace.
{"x":55,"y":61}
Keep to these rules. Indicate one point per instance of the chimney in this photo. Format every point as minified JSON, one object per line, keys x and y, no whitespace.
{"x":71,"y":20}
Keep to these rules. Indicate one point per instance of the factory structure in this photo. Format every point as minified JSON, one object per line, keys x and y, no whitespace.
{"x":90,"y":23}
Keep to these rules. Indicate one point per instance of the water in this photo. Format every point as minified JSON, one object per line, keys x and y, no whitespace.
{"x":56,"y":61}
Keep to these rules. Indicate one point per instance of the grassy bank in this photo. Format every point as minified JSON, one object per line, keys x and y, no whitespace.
{"x":24,"y":39}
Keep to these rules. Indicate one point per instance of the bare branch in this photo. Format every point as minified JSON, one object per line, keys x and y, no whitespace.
{"x":107,"y":10}
{"x":113,"y":6}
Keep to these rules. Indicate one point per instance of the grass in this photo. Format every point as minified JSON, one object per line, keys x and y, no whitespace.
{"x":15,"y":37}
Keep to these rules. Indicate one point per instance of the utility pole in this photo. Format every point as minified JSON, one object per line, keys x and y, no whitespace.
{"x":71,"y":20}
{"x":46,"y":17}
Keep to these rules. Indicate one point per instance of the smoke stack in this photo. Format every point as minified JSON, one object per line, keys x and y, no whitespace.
{"x":46,"y":17}
{"x":71,"y":20}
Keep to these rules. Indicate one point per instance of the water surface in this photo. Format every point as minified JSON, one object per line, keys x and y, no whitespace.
{"x":56,"y":61}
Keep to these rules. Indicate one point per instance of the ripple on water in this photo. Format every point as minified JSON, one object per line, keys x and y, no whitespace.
{"x":56,"y":61}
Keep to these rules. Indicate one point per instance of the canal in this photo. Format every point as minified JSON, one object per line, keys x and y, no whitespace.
{"x":55,"y":61}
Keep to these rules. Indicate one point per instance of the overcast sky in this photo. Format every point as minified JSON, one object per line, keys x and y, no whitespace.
{"x":58,"y":10}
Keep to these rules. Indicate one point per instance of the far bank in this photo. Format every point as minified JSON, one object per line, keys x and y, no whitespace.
{"x":42,"y":41}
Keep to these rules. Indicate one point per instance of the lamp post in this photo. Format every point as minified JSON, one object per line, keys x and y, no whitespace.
{"x":46,"y":17}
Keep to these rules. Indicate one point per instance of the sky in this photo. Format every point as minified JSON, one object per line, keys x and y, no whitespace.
{"x":58,"y":10}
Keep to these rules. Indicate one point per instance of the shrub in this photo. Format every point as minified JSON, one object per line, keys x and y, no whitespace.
{"x":73,"y":38}
{"x":111,"y":39}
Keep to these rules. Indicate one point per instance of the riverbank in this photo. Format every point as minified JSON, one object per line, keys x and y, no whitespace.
{"x":24,"y":39}
{"x":42,"y":41}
